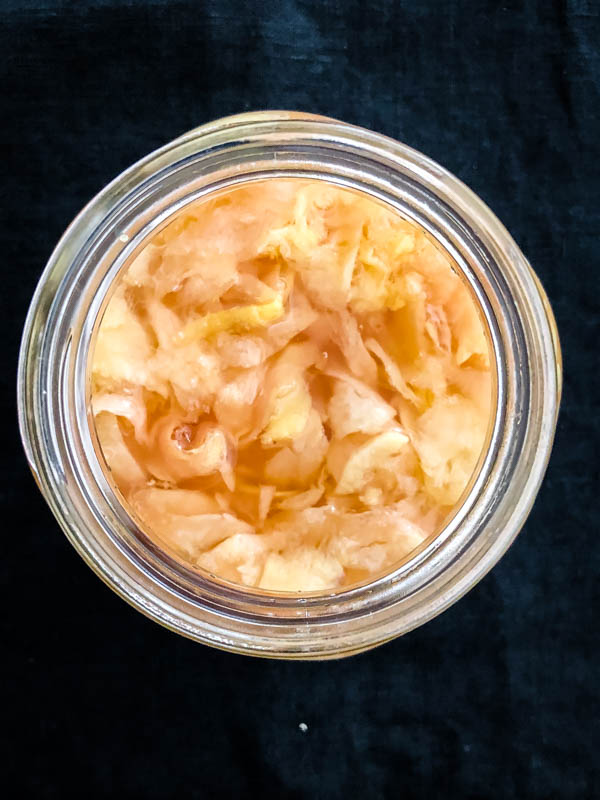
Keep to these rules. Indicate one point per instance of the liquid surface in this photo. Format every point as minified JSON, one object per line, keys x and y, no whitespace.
{"x":291,"y":386}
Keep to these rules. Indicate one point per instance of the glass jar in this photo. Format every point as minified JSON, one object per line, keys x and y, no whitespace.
{"x":53,"y":385}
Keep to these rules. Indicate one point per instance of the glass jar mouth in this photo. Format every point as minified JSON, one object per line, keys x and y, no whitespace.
{"x":54,"y":406}
{"x":186,"y":571}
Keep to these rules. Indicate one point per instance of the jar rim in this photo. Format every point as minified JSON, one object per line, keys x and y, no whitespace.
{"x":100,"y":241}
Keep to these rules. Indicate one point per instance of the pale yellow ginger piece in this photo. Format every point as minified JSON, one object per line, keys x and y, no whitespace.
{"x":429,"y":377}
{"x":165,"y":323}
{"x":239,"y":558}
{"x":203,"y":282}
{"x":404,"y":243}
{"x":128,"y":404}
{"x":295,"y":238}
{"x":288,"y":400}
{"x":438,"y":328}
{"x":321,"y":525}
{"x":372,"y":496}
{"x":328,"y":279}
{"x":288,"y":530}
{"x":193,"y":373}
{"x":420,"y":512}
{"x":266,"y":494}
{"x":406,"y":326}
{"x":321,"y":242}
{"x":357,"y":409}
{"x":175,"y":230}
{"x":400,"y":477}
{"x":190,"y":522}
{"x":235,"y":405}
{"x":139,"y":271}
{"x":123,"y":350}
{"x":124,"y":468}
{"x":448,"y":439}
{"x":154,"y":501}
{"x":299,"y":316}
{"x":305,"y":569}
{"x":289,"y":410}
{"x":378,"y":282}
{"x":392,"y":371}
{"x":240,"y":319}
{"x":249,"y":289}
{"x":475,"y":385}
{"x":346,"y":334}
{"x":194,"y":451}
{"x":240,"y":351}
{"x":374,"y":289}
{"x":470,"y":336}
{"x":194,"y":535}
{"x":298,"y":356}
{"x":365,"y":542}
{"x":438,"y":271}
{"x":197,"y":261}
{"x":353,"y":463}
{"x":299,"y":463}
{"x":373,"y":539}
{"x":301,"y":500}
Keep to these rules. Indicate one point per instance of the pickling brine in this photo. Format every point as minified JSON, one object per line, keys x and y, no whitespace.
{"x":291,"y":386}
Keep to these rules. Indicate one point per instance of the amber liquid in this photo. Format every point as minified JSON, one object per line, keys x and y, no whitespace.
{"x":291,"y":386}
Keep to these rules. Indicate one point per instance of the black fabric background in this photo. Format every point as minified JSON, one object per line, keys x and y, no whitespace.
{"x":498,"y":697}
